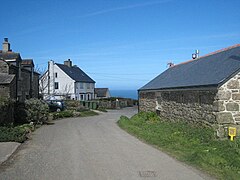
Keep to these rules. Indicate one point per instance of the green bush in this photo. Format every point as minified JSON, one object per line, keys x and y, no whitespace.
{"x":15,"y":134}
{"x":63,"y":114}
{"x":20,"y":114}
{"x":71,"y":113}
{"x":72,"y":103}
{"x":37,"y":111}
{"x":6,"y":111}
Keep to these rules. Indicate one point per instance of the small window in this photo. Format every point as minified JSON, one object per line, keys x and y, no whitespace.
{"x":56,"y":85}
{"x":81,"y":85}
{"x":56,"y":75}
{"x":88,"y":85}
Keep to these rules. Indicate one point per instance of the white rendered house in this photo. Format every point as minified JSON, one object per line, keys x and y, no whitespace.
{"x":65,"y":81}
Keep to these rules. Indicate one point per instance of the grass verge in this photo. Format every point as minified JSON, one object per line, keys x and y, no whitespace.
{"x":192,"y":144}
{"x":88,"y":113}
{"x":73,"y":113}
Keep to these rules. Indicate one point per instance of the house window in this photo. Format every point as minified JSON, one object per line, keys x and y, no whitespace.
{"x":81,"y":85}
{"x":56,"y":85}
{"x":88,"y":85}
{"x":56,"y":75}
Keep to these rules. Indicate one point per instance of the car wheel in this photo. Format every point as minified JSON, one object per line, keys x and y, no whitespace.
{"x":58,"y":109}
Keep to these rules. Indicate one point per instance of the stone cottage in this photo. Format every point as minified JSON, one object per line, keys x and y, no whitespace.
{"x":18,"y":80}
{"x":203,"y":90}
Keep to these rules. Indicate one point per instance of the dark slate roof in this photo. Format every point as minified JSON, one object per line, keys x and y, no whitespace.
{"x":101,"y":92}
{"x":28,"y":62}
{"x":9,"y":55}
{"x":208,"y":71}
{"x":6,"y":78}
{"x":75,"y":73}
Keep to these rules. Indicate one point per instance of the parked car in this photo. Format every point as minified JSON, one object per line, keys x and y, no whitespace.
{"x":55,"y":105}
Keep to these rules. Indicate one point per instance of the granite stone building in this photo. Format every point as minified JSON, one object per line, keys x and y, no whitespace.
{"x":203,"y":90}
{"x":18,"y":80}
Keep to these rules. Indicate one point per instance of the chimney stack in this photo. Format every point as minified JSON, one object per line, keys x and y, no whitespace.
{"x":68,"y":63}
{"x":6,"y":45}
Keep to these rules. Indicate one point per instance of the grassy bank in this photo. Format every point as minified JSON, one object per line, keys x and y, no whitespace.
{"x":194,"y":145}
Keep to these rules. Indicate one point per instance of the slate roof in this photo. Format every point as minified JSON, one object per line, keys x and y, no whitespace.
{"x":101,"y":92}
{"x":75,"y":73}
{"x":27,"y":62}
{"x":6,"y":78}
{"x":207,"y":71}
{"x":9,"y":55}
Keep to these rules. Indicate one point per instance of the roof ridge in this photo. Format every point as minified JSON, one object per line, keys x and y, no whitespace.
{"x":209,"y":54}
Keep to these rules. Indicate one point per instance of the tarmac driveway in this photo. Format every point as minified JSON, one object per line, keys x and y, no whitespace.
{"x":92,"y":148}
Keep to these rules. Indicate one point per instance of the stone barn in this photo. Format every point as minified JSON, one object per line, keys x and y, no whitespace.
{"x":203,"y":90}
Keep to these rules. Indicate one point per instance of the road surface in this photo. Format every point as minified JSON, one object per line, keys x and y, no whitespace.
{"x":92,"y":148}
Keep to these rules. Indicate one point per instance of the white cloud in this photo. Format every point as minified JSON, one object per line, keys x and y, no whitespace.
{"x":104,"y":11}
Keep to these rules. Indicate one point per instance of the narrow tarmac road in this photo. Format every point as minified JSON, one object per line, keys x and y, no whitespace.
{"x":92,"y":148}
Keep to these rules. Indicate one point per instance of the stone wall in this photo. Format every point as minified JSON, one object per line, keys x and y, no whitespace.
{"x":25,"y":84}
{"x":4,"y":67}
{"x":5,"y":90}
{"x":35,"y":85}
{"x":190,"y":105}
{"x":147,"y":101}
{"x":228,"y":101}
{"x":219,"y":107}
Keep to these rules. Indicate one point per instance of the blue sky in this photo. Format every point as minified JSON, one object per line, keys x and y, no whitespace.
{"x":120,"y":44}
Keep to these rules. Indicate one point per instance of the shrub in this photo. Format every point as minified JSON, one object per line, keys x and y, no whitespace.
{"x":37,"y":111}
{"x":20,"y":114}
{"x":72,"y":103}
{"x":63,"y":114}
{"x":6,"y":111}
{"x":15,"y":134}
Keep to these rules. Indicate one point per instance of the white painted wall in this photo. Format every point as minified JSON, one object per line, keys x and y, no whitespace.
{"x":66,"y":85}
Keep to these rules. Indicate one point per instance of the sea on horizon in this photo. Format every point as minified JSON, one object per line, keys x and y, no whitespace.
{"x":133,"y":94}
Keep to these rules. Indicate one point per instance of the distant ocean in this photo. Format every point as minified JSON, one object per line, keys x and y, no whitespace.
{"x":133,"y":94}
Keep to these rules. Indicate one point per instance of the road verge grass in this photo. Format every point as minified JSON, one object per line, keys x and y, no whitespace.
{"x":193,"y":144}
